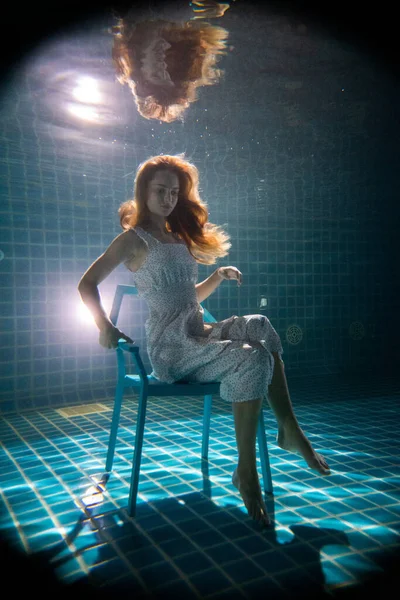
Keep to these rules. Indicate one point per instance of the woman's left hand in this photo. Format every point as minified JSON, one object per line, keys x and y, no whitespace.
{"x":230,"y":273}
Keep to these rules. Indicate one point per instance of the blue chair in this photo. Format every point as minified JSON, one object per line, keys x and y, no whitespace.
{"x":146,"y":386}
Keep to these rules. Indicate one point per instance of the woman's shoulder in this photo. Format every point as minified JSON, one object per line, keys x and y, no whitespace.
{"x":135,"y":236}
{"x":131,"y":240}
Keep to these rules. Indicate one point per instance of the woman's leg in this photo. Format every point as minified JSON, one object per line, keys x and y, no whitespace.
{"x":290,"y":435}
{"x":245,"y":478}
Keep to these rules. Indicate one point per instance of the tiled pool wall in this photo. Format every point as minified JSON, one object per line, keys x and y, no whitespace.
{"x":297,"y":159}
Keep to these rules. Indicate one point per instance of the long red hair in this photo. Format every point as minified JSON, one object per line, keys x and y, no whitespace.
{"x":205,"y":241}
{"x":195,"y":49}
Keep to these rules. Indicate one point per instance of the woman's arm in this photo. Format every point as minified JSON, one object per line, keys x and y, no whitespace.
{"x":123,"y":247}
{"x":208,"y":286}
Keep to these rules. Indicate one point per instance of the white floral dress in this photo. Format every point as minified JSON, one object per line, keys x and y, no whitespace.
{"x":236,"y":351}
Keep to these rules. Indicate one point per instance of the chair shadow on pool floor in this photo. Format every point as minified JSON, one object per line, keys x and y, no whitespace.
{"x":188,"y":547}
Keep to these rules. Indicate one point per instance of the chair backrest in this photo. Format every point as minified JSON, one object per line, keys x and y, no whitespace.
{"x":120,"y":292}
{"x":131,"y":290}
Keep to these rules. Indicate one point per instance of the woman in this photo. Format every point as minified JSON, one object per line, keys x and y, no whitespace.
{"x":166,"y":233}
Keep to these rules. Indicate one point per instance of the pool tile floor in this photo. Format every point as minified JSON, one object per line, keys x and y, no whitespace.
{"x":191,"y":537}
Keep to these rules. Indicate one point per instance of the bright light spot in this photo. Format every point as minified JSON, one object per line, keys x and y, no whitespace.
{"x":87,"y":91}
{"x":83,"y":112}
{"x":93,"y":497}
{"x":84,"y":314}
{"x":284,"y":536}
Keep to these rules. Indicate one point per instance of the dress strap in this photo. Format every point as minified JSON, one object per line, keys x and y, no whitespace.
{"x":147,"y":237}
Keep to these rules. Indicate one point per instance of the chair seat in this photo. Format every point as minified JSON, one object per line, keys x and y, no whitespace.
{"x":181,"y":387}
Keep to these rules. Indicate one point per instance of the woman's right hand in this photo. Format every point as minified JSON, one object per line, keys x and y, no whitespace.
{"x":109,"y":336}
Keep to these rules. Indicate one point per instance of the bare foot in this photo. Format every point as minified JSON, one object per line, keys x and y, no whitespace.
{"x":292,"y":438}
{"x":250,"y":490}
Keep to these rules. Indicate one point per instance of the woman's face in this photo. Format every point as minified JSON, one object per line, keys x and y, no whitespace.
{"x":163,"y":193}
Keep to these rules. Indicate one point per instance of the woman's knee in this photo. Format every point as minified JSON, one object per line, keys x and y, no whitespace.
{"x":258,"y":327}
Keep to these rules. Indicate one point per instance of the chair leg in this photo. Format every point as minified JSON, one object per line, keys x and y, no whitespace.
{"x":114,"y":425}
{"x":264,"y":457}
{"x":137,"y":454}
{"x":206,"y":426}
